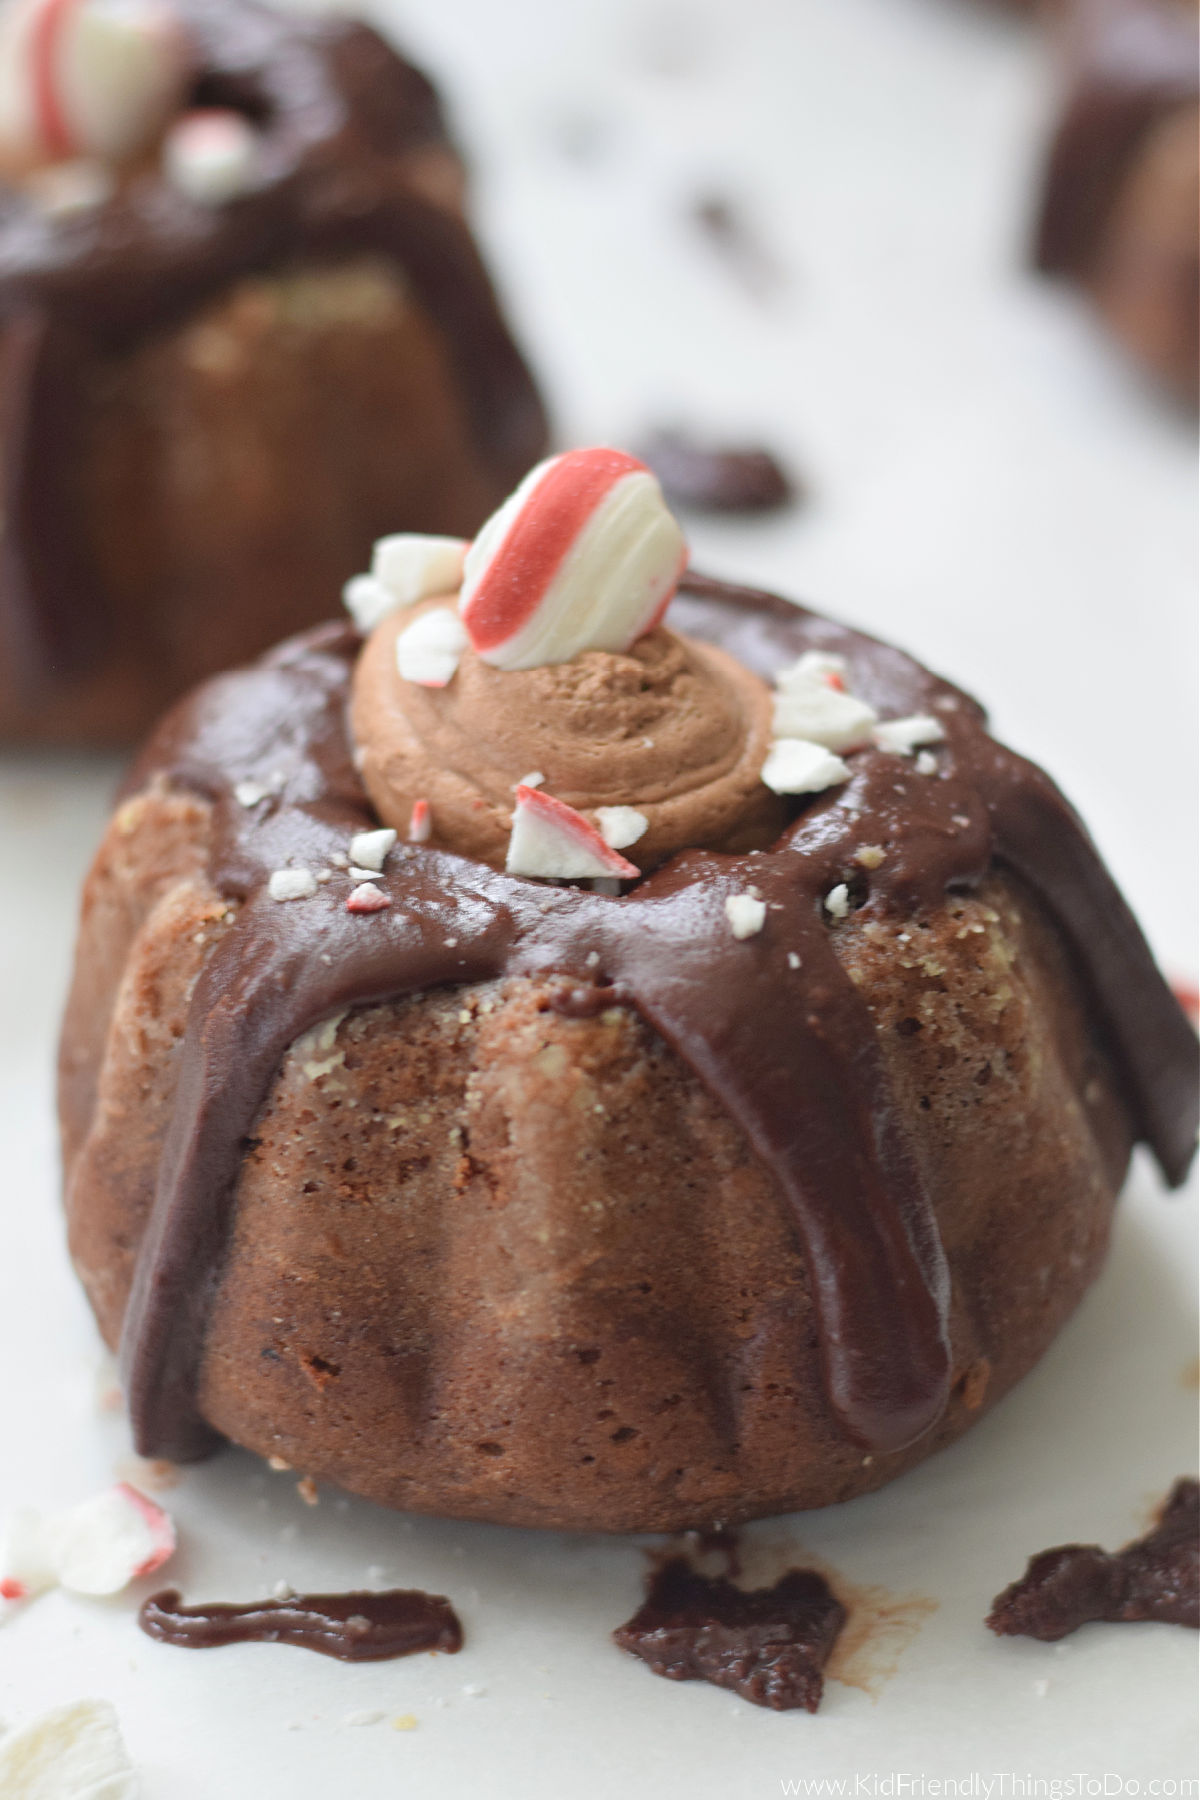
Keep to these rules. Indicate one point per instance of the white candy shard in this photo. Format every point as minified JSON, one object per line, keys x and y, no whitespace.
{"x":823,"y":715}
{"x":428,"y":651}
{"x":75,"y":1752}
{"x":795,"y":766}
{"x":551,"y":840}
{"x":813,"y":665}
{"x":903,"y":736}
{"x":837,"y":901}
{"x":249,"y":793}
{"x":210,"y":155}
{"x":746,"y":914}
{"x":369,"y":849}
{"x":621,"y":826}
{"x":412,"y":566}
{"x":367,"y":601}
{"x":103,"y":1544}
{"x":86,"y":78}
{"x":927,"y":763}
{"x":27,"y":1567}
{"x":292,"y":884}
{"x":583,"y":556}
{"x":97,"y":1547}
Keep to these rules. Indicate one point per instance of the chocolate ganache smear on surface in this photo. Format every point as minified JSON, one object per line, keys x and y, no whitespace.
{"x":790,"y":1053}
{"x":346,"y":134}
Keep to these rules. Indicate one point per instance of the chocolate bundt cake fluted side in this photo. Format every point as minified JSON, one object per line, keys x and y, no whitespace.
{"x":562,"y":1208}
{"x":209,"y":411}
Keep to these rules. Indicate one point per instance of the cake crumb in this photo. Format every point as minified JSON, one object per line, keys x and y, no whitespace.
{"x":278,"y":1464}
{"x":405,"y":1722}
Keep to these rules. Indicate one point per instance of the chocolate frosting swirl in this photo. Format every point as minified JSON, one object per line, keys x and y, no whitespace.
{"x":791,"y":1054}
{"x":677,"y":730}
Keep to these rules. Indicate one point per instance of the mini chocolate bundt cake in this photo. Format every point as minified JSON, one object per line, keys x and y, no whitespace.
{"x":234,"y":349}
{"x":521,"y":1067}
{"x":1120,"y":206}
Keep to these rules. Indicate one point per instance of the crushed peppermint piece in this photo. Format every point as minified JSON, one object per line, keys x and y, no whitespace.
{"x":927,"y":763}
{"x":74,"y":1752}
{"x":369,"y":849}
{"x":209,"y":155}
{"x":292,"y":884}
{"x":428,"y":651}
{"x":420,"y":823}
{"x":621,"y":826}
{"x":534,"y":780}
{"x":746,"y":914}
{"x":97,"y":1547}
{"x":552,"y":841}
{"x":413,"y":566}
{"x":368,"y":601}
{"x":902,"y":736}
{"x":584,"y":555}
{"x":359,"y":874}
{"x":249,"y":793}
{"x":837,"y":901}
{"x":796,"y":766}
{"x":368,"y":1716}
{"x":367,"y":898}
{"x":811,"y":703}
{"x":869,"y":856}
{"x":793,"y":960}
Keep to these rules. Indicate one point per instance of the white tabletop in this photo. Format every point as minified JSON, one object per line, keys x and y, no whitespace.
{"x":995,"y":489}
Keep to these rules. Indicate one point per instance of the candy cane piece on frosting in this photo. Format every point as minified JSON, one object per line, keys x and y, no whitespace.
{"x":584,"y":555}
{"x":551,"y":840}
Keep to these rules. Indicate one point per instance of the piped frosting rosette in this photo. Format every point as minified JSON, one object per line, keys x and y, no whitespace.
{"x":549,"y":722}
{"x":518,"y":699}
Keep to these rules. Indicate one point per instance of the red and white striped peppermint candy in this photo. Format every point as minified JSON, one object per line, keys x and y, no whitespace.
{"x":86,"y":78}
{"x":583,"y":556}
{"x":554,"y":842}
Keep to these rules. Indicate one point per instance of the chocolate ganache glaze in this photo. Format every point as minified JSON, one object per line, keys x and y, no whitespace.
{"x":792,"y":1057}
{"x":354,"y":1627}
{"x":347,"y":131}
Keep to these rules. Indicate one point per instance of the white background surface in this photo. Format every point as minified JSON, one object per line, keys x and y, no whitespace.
{"x":996,"y":490}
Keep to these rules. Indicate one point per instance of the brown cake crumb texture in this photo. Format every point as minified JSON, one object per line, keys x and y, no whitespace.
{"x":1158,"y":1577}
{"x":493,"y":1261}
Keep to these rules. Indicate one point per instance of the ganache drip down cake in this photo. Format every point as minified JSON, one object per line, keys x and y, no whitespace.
{"x":538,"y":1057}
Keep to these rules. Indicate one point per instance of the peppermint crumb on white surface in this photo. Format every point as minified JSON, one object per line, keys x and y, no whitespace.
{"x":369,"y":1716}
{"x":837,"y":901}
{"x":292,"y":884}
{"x":746,"y":915}
{"x":283,"y":1590}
